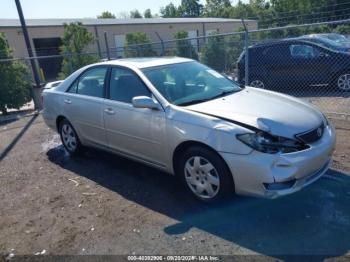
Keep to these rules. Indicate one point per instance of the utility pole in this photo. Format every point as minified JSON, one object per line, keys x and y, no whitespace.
{"x":36,"y":86}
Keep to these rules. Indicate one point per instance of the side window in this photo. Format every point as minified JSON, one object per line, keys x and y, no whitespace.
{"x":125,"y":85}
{"x":91,"y":83}
{"x":303,"y":51}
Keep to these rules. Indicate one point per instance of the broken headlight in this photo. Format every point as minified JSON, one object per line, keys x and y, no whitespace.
{"x":266,"y":143}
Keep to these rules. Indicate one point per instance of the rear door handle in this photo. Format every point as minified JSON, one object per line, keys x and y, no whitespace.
{"x":68,"y":101}
{"x":109,"y":111}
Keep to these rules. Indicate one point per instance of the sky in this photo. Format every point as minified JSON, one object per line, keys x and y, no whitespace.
{"x":78,"y":8}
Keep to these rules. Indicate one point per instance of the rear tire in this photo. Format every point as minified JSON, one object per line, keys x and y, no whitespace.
{"x":69,"y":138}
{"x":205,"y":174}
{"x":342,"y":82}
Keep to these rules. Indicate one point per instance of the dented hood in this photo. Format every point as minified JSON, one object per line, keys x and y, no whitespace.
{"x":269,"y":111}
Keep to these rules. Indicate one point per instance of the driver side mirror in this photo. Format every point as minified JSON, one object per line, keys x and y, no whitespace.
{"x":145,"y":102}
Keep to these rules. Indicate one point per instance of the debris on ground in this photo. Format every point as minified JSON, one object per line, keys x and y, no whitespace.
{"x":74,"y":181}
{"x":40,"y":253}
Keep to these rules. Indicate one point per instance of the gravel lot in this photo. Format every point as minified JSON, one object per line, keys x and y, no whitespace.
{"x":104,"y":204}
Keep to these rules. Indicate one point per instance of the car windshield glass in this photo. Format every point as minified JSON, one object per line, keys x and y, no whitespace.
{"x":337,"y":38}
{"x":330,"y":43}
{"x":189,"y":83}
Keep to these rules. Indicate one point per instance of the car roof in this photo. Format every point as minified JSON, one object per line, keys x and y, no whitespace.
{"x":145,"y":62}
{"x":284,"y":40}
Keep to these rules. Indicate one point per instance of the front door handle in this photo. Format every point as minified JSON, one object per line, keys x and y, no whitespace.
{"x":68,"y":101}
{"x":109,"y":111}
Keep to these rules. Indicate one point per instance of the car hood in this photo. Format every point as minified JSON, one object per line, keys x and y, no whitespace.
{"x":268,"y":111}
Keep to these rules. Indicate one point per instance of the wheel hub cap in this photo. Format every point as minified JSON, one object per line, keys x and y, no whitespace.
{"x":68,"y":137}
{"x":257,"y":84}
{"x":202,"y":177}
{"x":344,"y":82}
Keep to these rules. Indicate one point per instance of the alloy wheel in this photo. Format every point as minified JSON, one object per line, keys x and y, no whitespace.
{"x":202,"y":177}
{"x":258,"y":84}
{"x":344,"y":82}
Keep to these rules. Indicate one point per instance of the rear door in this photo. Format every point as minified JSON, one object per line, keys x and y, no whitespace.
{"x":276,"y":61}
{"x":83,"y":105}
{"x":139,"y":132}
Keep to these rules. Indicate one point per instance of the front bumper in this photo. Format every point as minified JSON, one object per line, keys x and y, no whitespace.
{"x":252,"y":173}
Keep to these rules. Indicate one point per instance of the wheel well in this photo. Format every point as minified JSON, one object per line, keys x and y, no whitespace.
{"x":338,"y":73}
{"x":58,"y":121}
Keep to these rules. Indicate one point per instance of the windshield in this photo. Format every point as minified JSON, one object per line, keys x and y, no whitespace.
{"x":189,"y":83}
{"x":336,"y":37}
{"x":329,"y":43}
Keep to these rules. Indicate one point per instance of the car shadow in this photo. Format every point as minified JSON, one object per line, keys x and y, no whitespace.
{"x":314,"y":221}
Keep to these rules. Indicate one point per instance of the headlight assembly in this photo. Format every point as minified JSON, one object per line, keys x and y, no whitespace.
{"x":266,"y":143}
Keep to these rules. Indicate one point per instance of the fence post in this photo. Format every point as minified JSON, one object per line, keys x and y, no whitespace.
{"x":246,"y":56}
{"x":98,"y":42}
{"x":161,"y":43}
{"x":189,"y":44}
{"x":70,"y":61}
{"x":107,"y":48}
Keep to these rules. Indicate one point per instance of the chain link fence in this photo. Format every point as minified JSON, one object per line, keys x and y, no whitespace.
{"x":310,"y":61}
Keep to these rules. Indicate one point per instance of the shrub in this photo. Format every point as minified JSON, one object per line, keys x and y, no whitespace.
{"x":137,"y":44}
{"x":184,"y":47}
{"x":15,"y":87}
{"x":214,"y":53}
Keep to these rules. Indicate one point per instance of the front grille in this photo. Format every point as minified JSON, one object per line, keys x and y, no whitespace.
{"x":311,"y":136}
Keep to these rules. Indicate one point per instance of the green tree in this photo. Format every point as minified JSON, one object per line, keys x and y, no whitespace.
{"x":215,"y":8}
{"x":76,"y":39}
{"x":190,"y":8}
{"x":147,"y":13}
{"x":137,"y":44}
{"x":169,"y":10}
{"x":106,"y":14}
{"x":15,"y":87}
{"x":184,"y":47}
{"x":135,"y":14}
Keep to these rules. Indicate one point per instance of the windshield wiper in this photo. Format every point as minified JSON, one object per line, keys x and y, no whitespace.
{"x":197,"y":101}
{"x":224,"y":93}
{"x":192,"y":102}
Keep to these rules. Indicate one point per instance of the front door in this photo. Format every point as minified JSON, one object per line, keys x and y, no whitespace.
{"x":139,"y":132}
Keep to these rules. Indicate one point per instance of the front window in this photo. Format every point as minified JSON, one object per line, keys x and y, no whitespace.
{"x":125,"y":85}
{"x":189,"y":83}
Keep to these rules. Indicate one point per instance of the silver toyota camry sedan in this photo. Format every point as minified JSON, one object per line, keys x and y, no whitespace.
{"x":185,"y":118}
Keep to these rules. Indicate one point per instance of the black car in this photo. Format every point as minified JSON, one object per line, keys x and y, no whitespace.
{"x":294,"y":63}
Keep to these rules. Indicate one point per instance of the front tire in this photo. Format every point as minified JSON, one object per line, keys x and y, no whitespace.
{"x":205,"y":174}
{"x":69,"y":138}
